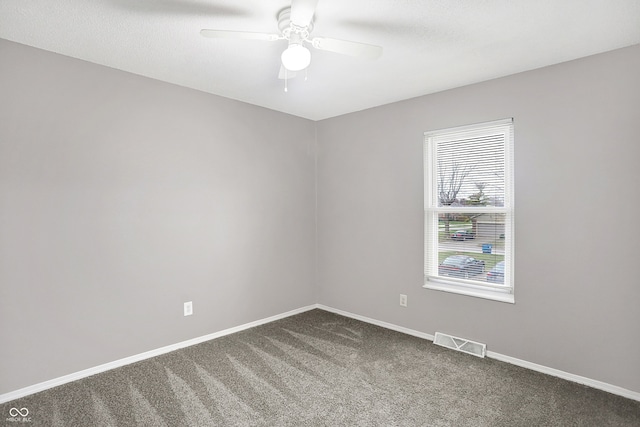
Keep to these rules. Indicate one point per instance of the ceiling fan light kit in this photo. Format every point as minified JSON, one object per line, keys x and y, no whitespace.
{"x":295,"y":24}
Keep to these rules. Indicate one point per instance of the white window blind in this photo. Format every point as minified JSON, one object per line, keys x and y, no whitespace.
{"x":469,"y":210}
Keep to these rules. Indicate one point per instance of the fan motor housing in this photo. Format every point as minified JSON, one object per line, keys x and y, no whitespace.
{"x":286,"y":27}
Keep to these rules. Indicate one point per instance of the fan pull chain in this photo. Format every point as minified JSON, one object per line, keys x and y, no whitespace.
{"x":286,"y":75}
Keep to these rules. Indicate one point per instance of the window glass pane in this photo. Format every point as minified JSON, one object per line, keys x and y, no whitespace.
{"x":471,"y":245}
{"x":471,"y":171}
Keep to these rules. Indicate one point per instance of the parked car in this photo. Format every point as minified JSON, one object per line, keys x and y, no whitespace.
{"x":462,"y":235}
{"x":461,"y":266}
{"x":496,"y":274}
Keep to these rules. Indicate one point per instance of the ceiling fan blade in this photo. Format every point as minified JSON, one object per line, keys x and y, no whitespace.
{"x":345,"y":47}
{"x":302,"y":11}
{"x":289,"y":74}
{"x":245,"y":35}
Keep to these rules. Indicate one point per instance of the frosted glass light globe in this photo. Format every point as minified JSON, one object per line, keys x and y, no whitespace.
{"x":296,"y":57}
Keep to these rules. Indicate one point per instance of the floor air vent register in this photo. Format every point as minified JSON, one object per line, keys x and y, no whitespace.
{"x":460,"y":344}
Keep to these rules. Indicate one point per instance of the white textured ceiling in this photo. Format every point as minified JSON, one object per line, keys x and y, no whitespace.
{"x":429,"y":45}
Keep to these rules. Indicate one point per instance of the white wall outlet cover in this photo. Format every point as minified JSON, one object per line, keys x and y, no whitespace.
{"x":188,"y":308}
{"x":403,"y":300}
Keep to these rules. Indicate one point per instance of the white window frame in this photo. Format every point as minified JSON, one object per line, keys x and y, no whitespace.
{"x":475,"y":288}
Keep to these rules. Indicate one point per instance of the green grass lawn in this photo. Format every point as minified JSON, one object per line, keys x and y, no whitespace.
{"x":490,"y":260}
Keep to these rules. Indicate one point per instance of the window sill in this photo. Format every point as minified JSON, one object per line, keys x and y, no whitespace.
{"x":470,"y":290}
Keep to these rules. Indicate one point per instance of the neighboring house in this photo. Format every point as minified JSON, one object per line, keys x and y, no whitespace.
{"x":488,"y":225}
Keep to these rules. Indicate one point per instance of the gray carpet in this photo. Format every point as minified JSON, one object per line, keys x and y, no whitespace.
{"x":321,"y":369}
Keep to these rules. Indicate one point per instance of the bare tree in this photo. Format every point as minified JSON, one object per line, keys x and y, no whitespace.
{"x":480,"y":186}
{"x":479,"y":198}
{"x":450,"y":180}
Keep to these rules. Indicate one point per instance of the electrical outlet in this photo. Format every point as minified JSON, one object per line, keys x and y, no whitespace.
{"x":403,"y":300}
{"x":188,"y":308}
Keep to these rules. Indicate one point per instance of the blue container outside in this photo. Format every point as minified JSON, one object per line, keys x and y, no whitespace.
{"x":486,"y":248}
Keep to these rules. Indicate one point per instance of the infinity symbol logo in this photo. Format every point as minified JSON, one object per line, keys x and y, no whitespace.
{"x":14,"y":412}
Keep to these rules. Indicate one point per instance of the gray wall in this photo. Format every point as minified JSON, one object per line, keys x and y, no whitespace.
{"x":577,"y":128}
{"x":122,"y":197}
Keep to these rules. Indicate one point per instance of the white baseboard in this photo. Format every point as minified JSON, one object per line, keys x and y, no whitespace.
{"x":613,"y":389}
{"x":17,"y":394}
{"x":146,"y":355}
{"x":377,"y":322}
{"x":610,"y":388}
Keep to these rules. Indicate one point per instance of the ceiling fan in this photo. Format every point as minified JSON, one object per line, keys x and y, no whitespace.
{"x":295,"y":25}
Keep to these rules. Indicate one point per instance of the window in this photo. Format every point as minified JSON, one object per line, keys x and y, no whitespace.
{"x":468,"y":200}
